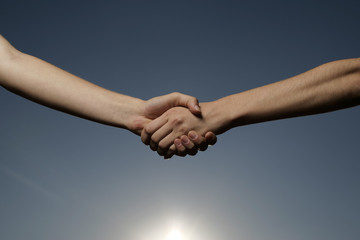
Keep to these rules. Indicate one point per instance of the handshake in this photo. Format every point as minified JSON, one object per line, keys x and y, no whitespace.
{"x":177,"y":123}
{"x":174,"y":124}
{"x":170,"y":124}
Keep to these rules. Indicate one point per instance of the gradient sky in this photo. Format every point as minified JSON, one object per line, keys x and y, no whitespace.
{"x":62,"y":177}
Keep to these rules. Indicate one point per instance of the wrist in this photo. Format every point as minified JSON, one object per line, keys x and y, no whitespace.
{"x":128,"y":113}
{"x":135,"y":119}
{"x":216,"y":116}
{"x":225,"y":113}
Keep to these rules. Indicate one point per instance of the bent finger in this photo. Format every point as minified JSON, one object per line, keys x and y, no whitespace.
{"x":191,"y":148}
{"x":180,"y":149}
{"x":157,"y":137}
{"x":199,"y":140}
{"x":167,"y":140}
{"x":160,"y":134}
{"x":171,"y":152}
{"x":211,"y":138}
{"x":184,"y":100}
{"x":151,"y":128}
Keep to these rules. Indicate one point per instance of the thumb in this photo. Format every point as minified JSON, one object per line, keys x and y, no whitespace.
{"x":158,"y":105}
{"x":190,"y":102}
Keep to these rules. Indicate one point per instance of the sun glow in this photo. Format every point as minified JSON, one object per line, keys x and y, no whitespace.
{"x":175,"y":235}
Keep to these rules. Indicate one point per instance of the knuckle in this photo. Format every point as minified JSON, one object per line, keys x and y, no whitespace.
{"x":177,"y":120}
{"x":170,"y":112}
{"x":144,"y":140}
{"x":163,"y":145}
{"x":154,"y":139}
{"x":194,"y":99}
{"x":160,"y":152}
{"x":153,"y":147}
{"x":175,"y":94}
{"x":182,"y":129}
{"x":148,"y":129}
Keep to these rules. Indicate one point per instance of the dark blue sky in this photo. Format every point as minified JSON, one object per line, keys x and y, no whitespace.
{"x":62,"y":177}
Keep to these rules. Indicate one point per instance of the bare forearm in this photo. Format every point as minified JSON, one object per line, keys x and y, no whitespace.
{"x":329,"y":87}
{"x":46,"y":84}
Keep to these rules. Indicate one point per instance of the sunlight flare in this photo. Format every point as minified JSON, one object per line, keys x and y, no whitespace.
{"x":175,"y":235}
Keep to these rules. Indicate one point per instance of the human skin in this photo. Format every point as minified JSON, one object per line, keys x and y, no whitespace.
{"x":329,"y":87}
{"x":48,"y":85}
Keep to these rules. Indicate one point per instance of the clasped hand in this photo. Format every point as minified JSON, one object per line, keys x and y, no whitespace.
{"x":173,"y":124}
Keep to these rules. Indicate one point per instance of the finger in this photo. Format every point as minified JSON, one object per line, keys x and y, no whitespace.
{"x":151,"y":128}
{"x":191,"y":148}
{"x":211,"y":138}
{"x":160,"y":134}
{"x":156,"y":106}
{"x":161,"y":151}
{"x":153,"y":146}
{"x":186,"y":142}
{"x":180,"y":148}
{"x":198,"y":140}
{"x":157,"y":137}
{"x":167,"y":141}
{"x":170,"y":152}
{"x":187,"y":101}
{"x":162,"y":147}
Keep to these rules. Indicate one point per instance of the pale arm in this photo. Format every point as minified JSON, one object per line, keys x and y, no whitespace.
{"x":46,"y":84}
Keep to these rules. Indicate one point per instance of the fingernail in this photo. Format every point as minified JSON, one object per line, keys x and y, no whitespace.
{"x":193,"y":135}
{"x":185,"y":140}
{"x":197,"y":108}
{"x":178,"y":142}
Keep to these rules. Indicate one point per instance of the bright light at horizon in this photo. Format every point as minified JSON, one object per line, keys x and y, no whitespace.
{"x":175,"y":235}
